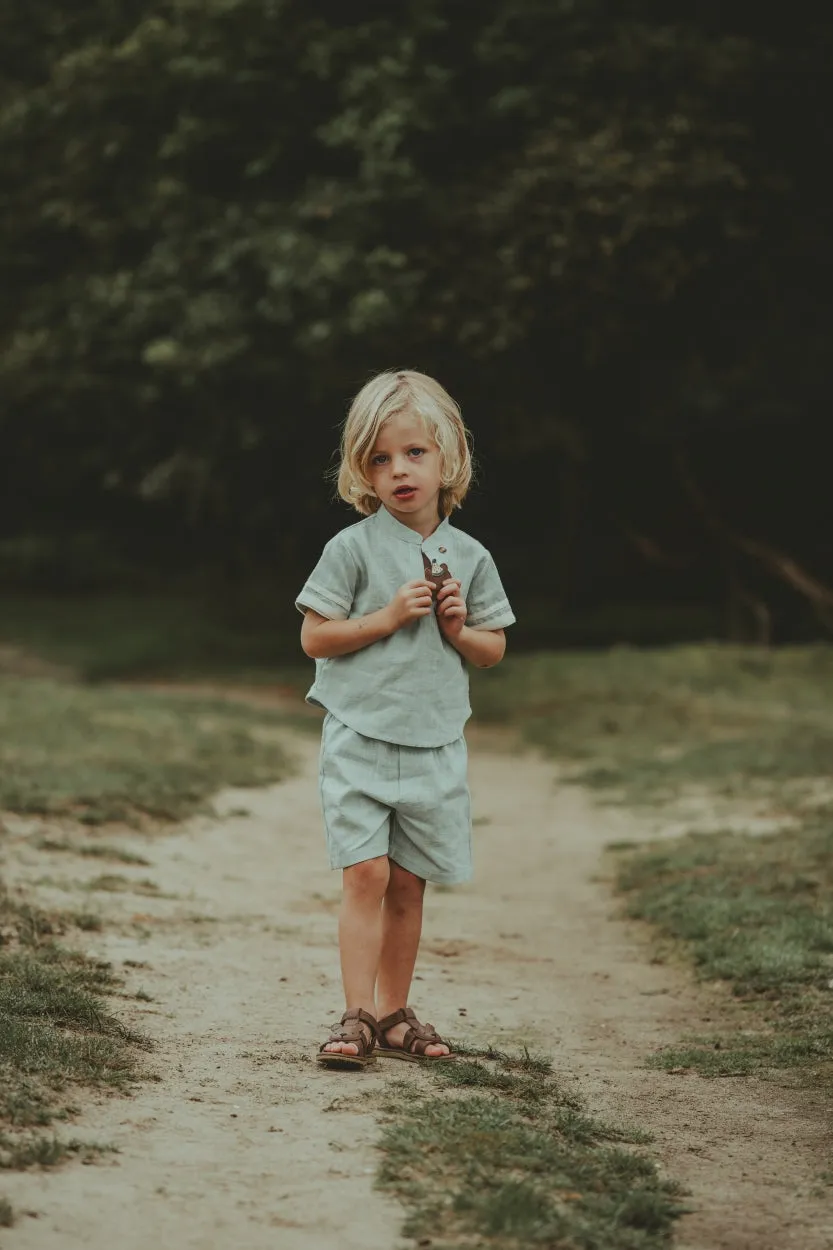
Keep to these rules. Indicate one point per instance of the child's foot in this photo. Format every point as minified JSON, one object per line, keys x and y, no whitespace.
{"x":401,"y":1036}
{"x":351,"y":1042}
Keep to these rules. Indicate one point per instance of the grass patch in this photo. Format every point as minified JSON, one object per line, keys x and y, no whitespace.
{"x":649,"y":723}
{"x":92,"y":850}
{"x":753,"y":912}
{"x":108,"y":636}
{"x":17,"y":1153}
{"x":87,"y":921}
{"x":6,"y":1214}
{"x":115,"y":883}
{"x":100,"y":754}
{"x":500,"y":1154}
{"x":56,"y":1034}
{"x":756,"y":913}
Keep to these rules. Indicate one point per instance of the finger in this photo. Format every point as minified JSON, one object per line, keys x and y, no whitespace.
{"x":449,"y":588}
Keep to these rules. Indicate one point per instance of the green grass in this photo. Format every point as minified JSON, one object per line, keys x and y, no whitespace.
{"x":56,"y":1034}
{"x":18,"y":1153}
{"x":97,"y":755}
{"x":101,"y":754}
{"x":756,"y":913}
{"x":108,"y":636}
{"x":87,"y":921}
{"x":91,"y":850}
{"x":648,"y":724}
{"x":117,"y":883}
{"x":496,"y":1153}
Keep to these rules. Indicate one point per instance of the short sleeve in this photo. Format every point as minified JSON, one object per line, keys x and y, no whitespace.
{"x":331,"y":586}
{"x":486,"y":602}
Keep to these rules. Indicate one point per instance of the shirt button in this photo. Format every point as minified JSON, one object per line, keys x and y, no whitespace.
{"x":443,"y":550}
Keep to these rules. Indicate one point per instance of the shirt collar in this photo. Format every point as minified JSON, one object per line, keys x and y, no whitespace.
{"x":388,"y":522}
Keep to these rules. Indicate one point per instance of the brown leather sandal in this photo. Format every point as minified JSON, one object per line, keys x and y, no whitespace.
{"x":350,"y":1030}
{"x":415,"y":1042}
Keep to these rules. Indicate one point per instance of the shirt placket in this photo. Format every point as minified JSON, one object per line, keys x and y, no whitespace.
{"x":437,"y":554}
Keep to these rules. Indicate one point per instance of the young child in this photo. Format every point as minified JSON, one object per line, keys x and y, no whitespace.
{"x":395,"y":607}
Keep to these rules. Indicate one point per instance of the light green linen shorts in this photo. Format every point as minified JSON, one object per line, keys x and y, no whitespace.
{"x":410,"y":803}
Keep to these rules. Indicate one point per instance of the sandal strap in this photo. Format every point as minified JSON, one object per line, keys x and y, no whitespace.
{"x":396,"y":1017}
{"x":417,"y":1040}
{"x":349,"y":1029}
{"x":418,"y":1037}
{"x":364,"y":1017}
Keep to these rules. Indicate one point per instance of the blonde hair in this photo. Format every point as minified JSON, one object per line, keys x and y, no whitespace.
{"x":382,"y":398}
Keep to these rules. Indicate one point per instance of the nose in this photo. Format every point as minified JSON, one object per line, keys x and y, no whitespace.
{"x":400,"y":466}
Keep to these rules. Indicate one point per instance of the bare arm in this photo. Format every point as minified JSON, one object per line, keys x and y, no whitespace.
{"x":481,"y":647}
{"x":323,"y":639}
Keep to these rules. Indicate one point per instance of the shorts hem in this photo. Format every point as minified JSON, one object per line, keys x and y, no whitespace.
{"x":434,"y":878}
{"x":351,"y":861}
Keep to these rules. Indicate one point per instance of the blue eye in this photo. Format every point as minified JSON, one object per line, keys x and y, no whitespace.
{"x":379,"y":459}
{"x":417,"y":451}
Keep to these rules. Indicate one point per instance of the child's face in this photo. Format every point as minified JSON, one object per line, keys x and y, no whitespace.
{"x":404,"y":470}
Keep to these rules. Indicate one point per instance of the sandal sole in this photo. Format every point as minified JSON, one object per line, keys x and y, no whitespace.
{"x":385,"y":1052}
{"x":337,"y":1060}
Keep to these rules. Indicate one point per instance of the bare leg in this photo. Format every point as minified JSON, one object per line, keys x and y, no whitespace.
{"x":360,"y":935}
{"x":401,"y":931}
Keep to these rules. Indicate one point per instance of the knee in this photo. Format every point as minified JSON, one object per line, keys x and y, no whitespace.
{"x":368,"y":879}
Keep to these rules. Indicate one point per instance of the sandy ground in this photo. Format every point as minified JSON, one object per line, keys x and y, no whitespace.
{"x":243,"y":1142}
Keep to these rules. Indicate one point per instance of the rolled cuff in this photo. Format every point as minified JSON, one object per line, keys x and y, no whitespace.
{"x":497,"y":616}
{"x":324,"y":602}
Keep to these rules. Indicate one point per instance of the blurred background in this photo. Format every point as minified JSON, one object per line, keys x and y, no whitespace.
{"x":605,"y":228}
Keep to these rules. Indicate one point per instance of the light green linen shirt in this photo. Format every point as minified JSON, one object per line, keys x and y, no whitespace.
{"x":411,"y":688}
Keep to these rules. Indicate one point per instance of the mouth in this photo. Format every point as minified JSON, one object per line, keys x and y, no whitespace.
{"x":404,"y":492}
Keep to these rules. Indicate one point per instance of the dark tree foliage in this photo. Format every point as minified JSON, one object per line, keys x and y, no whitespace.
{"x":604,"y":227}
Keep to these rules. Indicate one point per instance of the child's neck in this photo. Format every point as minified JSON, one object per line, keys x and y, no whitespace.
{"x":422,"y":525}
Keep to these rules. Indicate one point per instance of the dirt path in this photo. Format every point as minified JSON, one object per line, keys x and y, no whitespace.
{"x":242,"y":1142}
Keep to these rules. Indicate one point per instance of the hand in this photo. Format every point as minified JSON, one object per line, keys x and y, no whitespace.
{"x":451,"y":609}
{"x":410,"y":602}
